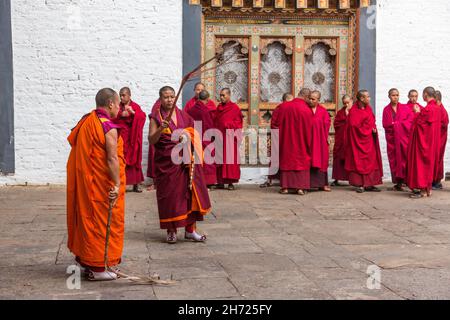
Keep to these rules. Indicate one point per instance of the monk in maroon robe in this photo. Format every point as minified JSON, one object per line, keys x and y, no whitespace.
{"x":340,"y":141}
{"x":413,"y":98}
{"x":182,"y":197}
{"x":422,"y":148}
{"x":200,"y":112}
{"x":439,"y":172}
{"x":320,"y":149}
{"x":363,"y":154}
{"x":199,"y":87}
{"x":131,"y":120}
{"x":275,"y":147}
{"x":229,"y":121}
{"x":397,"y":123}
{"x":151,"y":152}
{"x":295,"y":121}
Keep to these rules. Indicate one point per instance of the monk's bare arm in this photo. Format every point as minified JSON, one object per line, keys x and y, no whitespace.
{"x":112,"y":157}
{"x":155,"y":132}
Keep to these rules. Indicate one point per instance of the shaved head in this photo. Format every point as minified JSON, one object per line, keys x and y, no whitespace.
{"x":105,"y":97}
{"x":430,"y":92}
{"x":204,"y":95}
{"x":304,"y":93}
{"x":125,"y":90}
{"x":317,"y":94}
{"x":165,"y":89}
{"x":438,"y":96}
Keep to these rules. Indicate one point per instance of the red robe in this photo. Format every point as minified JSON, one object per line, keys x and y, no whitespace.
{"x":178,"y":206}
{"x":295,"y":122}
{"x":320,"y":148}
{"x":229,"y":116}
{"x":439,"y":172}
{"x":201,"y":112}
{"x":397,"y":127}
{"x":151,"y":148}
{"x":191,"y":103}
{"x":422,"y":154}
{"x":363,"y":154}
{"x":320,"y":152}
{"x":274,"y":125}
{"x":340,"y":143}
{"x":411,"y":106}
{"x":131,"y":131}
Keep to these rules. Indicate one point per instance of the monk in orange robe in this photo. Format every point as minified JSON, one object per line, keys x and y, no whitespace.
{"x":96,"y":182}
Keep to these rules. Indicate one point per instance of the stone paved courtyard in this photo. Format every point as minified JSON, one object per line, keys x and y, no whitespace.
{"x":262,"y":245}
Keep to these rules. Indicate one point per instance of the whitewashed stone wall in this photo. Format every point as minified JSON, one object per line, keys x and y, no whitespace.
{"x":64,"y":51}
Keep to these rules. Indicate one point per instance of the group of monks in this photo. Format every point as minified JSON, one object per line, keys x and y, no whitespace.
{"x":106,"y":155}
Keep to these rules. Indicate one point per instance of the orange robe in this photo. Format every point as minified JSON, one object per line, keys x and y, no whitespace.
{"x":88,"y":185}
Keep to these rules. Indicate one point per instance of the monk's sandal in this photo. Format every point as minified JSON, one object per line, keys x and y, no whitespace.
{"x":195,"y":236}
{"x":102,"y":276}
{"x":171,"y":238}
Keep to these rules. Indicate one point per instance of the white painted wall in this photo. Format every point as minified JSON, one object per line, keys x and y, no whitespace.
{"x":64,"y":51}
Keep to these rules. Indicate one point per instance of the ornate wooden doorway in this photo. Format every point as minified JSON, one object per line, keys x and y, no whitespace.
{"x":289,"y":45}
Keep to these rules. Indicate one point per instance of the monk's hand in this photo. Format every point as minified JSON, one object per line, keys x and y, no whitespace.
{"x":184,"y":139}
{"x":164,"y":124}
{"x":416,"y":108}
{"x":130,"y":110}
{"x":114,"y":195}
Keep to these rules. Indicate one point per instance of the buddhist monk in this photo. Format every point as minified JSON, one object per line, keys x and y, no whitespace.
{"x":95,"y":183}
{"x":181,"y":192}
{"x":199,"y":87}
{"x":151,"y":153}
{"x":439,"y":171}
{"x":397,"y":123}
{"x":229,"y":121}
{"x":340,"y":141}
{"x":131,"y":120}
{"x":363,"y":154}
{"x":413,"y":98}
{"x":201,"y":113}
{"x":422,"y":148}
{"x":274,"y":126}
{"x":320,"y":151}
{"x":294,"y":120}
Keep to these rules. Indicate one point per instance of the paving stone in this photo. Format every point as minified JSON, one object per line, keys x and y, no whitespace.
{"x":261,"y":245}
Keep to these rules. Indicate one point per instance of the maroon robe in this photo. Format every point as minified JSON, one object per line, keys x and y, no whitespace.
{"x":131,"y":131}
{"x":411,"y":106}
{"x":177,"y":205}
{"x":422,"y":154}
{"x":397,"y":126}
{"x":439,"y":171}
{"x":274,"y":125}
{"x":295,"y":123}
{"x":229,"y":116}
{"x":340,"y":143}
{"x":191,"y":103}
{"x":320,"y":149}
{"x":363,"y":154}
{"x":201,"y":112}
{"x":151,"y":148}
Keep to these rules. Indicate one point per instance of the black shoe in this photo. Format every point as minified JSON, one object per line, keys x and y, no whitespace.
{"x":437,"y":186}
{"x":360,"y":190}
{"x":373,"y":189}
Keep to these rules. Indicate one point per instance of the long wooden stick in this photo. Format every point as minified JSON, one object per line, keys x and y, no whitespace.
{"x":197,"y":69}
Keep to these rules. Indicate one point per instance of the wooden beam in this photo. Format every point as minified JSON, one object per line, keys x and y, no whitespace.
{"x":280,"y":4}
{"x":344,"y":4}
{"x":238,"y":3}
{"x":258,"y":3}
